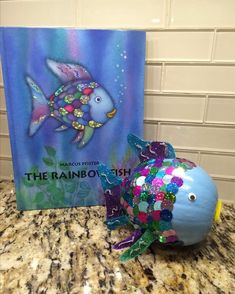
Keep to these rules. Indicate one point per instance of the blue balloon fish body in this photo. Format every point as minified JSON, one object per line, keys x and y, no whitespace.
{"x":166,"y":199}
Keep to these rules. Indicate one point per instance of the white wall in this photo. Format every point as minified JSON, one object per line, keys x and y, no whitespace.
{"x":190,"y":71}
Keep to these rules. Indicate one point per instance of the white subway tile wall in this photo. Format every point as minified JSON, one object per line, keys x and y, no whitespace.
{"x":35,"y":13}
{"x":221,"y":109}
{"x":202,"y":13}
{"x":160,"y":107}
{"x":199,"y":78}
{"x":3,"y":126}
{"x":179,"y":45}
{"x":190,"y":71}
{"x":219,"y":164}
{"x":6,"y":168}
{"x":150,"y":131}
{"x":2,"y":100}
{"x":225,"y":47}
{"x":225,"y":187}
{"x":1,"y":79}
{"x":215,"y":138}
{"x":121,"y":13}
{"x":153,"y":77}
{"x":5,"y":147}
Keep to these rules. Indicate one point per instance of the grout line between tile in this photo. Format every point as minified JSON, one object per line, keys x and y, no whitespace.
{"x":163,"y":28}
{"x":187,"y":29}
{"x":199,"y":157}
{"x":4,"y":135}
{"x":162,"y":80}
{"x":190,"y":62}
{"x":77,"y":19}
{"x":189,"y":123}
{"x":205,"y":110}
{"x":6,"y":178}
{"x":158,"y":131}
{"x":205,"y":151}
{"x":146,"y":29}
{"x":222,"y":178}
{"x":174,"y":94}
{"x":213,"y":45}
{"x":167,"y":13}
{"x":183,"y":93}
{"x":5,"y":157}
{"x":78,"y":14}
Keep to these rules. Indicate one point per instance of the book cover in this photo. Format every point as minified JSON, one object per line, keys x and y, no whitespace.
{"x":72,"y":98}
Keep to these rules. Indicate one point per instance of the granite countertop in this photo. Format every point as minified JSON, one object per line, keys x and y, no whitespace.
{"x":70,"y":251}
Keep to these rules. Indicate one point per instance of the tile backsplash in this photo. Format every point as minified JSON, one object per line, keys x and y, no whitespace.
{"x":190,"y":71}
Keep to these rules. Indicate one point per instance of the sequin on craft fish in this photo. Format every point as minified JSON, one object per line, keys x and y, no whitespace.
{"x":169,"y":196}
{"x":80,"y":103}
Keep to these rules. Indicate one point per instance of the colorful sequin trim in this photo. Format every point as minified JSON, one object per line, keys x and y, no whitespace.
{"x":94,"y":124}
{"x":91,"y":85}
{"x":70,"y":103}
{"x":77,"y":126}
{"x":151,"y":193}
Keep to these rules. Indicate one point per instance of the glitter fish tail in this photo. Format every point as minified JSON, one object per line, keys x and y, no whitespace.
{"x":166,"y":199}
{"x":79,"y":103}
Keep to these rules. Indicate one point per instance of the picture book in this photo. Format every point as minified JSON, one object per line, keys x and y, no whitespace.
{"x":72,"y":98}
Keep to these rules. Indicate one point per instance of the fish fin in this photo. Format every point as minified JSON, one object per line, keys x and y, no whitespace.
{"x":40,"y":107}
{"x":112,"y":191}
{"x":112,"y":202}
{"x":218,"y":209}
{"x":137,"y":144}
{"x":107,"y":177}
{"x":78,"y":137}
{"x":147,"y":150}
{"x":61,"y":128}
{"x":129,"y":241}
{"x":170,"y":151}
{"x":158,"y":149}
{"x":87,"y":134}
{"x":68,"y":72}
{"x":139,"y":246}
{"x":115,"y":222}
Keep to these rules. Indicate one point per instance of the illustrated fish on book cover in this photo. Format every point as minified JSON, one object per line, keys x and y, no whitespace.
{"x":79,"y":103}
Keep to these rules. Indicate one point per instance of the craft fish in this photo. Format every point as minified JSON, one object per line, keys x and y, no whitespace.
{"x":79,"y":103}
{"x":167,"y":199}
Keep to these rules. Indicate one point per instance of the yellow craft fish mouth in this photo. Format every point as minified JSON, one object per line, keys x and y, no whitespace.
{"x":111,"y":113}
{"x":218,"y":211}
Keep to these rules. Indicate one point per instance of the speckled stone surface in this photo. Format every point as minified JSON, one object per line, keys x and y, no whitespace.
{"x":70,"y":251}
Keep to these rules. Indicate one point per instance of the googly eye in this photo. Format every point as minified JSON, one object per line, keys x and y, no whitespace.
{"x":98,"y":99}
{"x":192,"y":197}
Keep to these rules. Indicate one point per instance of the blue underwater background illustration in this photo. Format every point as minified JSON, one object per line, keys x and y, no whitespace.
{"x":115,"y":60}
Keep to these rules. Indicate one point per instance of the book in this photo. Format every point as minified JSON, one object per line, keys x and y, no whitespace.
{"x":72,"y":98}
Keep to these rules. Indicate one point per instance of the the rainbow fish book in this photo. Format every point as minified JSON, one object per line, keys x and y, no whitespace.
{"x":72,"y":98}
